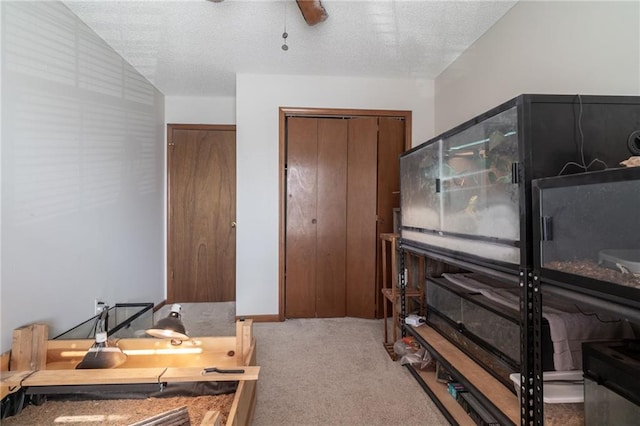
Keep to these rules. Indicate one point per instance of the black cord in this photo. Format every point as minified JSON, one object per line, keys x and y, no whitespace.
{"x":102,"y":317}
{"x":95,"y":329}
{"x":585,"y":167}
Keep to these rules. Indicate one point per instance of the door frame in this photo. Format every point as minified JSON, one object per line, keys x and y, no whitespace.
{"x":283,"y":113}
{"x":170,"y":142}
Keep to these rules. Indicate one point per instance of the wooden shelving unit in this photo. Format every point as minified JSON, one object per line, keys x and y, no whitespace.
{"x":498,"y":399}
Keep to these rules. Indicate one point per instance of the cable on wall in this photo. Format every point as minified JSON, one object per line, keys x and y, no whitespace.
{"x":582,"y":165}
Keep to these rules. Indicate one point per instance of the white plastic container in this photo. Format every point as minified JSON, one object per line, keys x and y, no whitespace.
{"x":559,"y":387}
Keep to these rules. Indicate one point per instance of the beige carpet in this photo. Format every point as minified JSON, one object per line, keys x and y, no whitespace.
{"x":327,"y":372}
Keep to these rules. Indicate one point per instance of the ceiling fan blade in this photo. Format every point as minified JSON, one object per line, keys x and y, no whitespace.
{"x":313,"y":11}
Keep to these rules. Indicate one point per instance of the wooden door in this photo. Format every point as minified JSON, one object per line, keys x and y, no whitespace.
{"x":201,"y":213}
{"x":316,"y":217}
{"x":361,"y":212}
{"x":301,"y":189}
{"x":332,"y":218}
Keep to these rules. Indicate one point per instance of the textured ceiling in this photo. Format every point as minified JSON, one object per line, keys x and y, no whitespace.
{"x":195,"y":47}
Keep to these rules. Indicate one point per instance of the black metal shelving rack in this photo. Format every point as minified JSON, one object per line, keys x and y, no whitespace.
{"x":548,"y":127}
{"x":486,"y":402}
{"x":531,"y":396}
{"x":590,"y":292}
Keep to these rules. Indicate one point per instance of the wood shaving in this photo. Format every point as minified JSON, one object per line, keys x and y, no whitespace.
{"x":591,"y":269}
{"x":118,"y":411}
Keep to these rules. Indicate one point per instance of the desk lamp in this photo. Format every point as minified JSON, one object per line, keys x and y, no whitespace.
{"x":102,"y":354}
{"x":170,"y":327}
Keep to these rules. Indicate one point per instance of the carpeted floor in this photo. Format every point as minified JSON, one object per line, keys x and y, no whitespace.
{"x":328,"y":372}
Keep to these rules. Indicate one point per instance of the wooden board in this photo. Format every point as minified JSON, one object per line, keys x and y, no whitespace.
{"x":93,"y":377}
{"x":212,"y":418}
{"x":244,"y":403}
{"x":175,"y":417}
{"x":10,"y":381}
{"x":29,"y":347}
{"x":451,"y":405}
{"x":141,"y":353}
{"x":244,"y":342}
{"x":4,"y":361}
{"x":486,"y":384}
{"x":129,"y":376}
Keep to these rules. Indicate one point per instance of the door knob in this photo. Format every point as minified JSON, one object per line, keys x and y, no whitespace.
{"x":233,"y":224}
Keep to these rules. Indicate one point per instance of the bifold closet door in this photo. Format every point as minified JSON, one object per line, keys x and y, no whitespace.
{"x":316,"y":217}
{"x":331,"y":231}
{"x":362,"y":245}
{"x":302,"y":182}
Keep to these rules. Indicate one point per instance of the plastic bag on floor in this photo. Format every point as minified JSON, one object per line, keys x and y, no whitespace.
{"x":420,"y":359}
{"x":404,"y":346}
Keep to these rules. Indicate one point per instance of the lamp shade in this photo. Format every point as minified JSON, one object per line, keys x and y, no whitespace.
{"x":102,"y":354}
{"x":170,"y":327}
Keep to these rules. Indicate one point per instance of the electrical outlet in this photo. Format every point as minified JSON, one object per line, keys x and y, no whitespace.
{"x":99,"y":306}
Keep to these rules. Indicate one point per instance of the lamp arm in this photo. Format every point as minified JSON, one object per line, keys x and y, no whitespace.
{"x":101,"y":322}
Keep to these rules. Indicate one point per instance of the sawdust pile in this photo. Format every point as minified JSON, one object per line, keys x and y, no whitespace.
{"x":118,"y":411}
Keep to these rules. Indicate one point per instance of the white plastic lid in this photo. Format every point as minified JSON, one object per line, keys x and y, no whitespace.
{"x":560,"y":387}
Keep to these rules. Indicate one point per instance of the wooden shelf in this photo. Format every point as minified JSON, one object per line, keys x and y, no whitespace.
{"x":464,"y":369}
{"x":439,"y":391}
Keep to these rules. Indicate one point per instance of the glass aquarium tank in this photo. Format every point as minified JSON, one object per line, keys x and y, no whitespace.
{"x":587,"y":230}
{"x":487,"y":331}
{"x":421,"y":207}
{"x":466,"y":193}
{"x":611,"y":387}
{"x":124,"y":320}
{"x":462,"y":185}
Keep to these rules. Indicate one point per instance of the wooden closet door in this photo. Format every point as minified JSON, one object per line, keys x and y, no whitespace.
{"x":332,"y":218}
{"x":302,"y":184}
{"x":391,"y":139}
{"x":361,"y":217}
{"x":342,"y":179}
{"x":316,"y":217}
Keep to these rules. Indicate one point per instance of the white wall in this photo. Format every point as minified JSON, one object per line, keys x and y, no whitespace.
{"x":258,"y":98}
{"x":82,"y":173}
{"x":544,"y":47}
{"x":200,"y":110}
